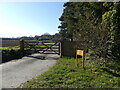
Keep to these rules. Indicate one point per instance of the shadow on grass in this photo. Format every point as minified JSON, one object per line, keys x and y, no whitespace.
{"x":110,"y":72}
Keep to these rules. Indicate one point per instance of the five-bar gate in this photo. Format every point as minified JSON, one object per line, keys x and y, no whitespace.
{"x":42,"y":47}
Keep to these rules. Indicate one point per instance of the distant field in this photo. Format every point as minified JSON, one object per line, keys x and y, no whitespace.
{"x":18,"y":47}
{"x":10,"y":47}
{"x":7,"y":43}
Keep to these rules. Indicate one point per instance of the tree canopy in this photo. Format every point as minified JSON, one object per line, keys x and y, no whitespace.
{"x":95,"y":23}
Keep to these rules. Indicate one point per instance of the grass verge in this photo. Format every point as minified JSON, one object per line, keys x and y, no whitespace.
{"x":65,"y":74}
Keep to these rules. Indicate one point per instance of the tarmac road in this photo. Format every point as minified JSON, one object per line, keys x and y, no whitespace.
{"x":16,"y":72}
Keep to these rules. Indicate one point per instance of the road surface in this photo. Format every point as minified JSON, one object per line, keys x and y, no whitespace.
{"x":16,"y":72}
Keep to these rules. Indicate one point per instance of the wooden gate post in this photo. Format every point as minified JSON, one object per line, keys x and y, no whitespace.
{"x":22,"y":46}
{"x":59,"y":48}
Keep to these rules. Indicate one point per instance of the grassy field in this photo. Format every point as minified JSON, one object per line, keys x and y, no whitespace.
{"x":65,"y":74}
{"x":10,"y":47}
{"x":39,"y":46}
{"x":18,"y":47}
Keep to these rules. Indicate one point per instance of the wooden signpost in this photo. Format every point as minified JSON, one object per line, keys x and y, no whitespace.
{"x":81,"y":53}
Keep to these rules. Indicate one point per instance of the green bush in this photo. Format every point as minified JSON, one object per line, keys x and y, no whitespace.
{"x":8,"y":55}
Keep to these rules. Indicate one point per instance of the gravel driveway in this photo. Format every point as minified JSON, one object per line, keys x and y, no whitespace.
{"x":19,"y":71}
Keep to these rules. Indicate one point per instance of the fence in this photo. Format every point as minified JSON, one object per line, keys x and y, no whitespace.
{"x":42,"y":47}
{"x":6,"y":43}
{"x":68,"y":48}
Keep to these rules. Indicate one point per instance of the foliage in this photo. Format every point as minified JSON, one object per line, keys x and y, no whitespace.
{"x":97,"y":24}
{"x":65,"y":74}
{"x":112,"y":18}
{"x":8,"y":55}
{"x":12,"y":52}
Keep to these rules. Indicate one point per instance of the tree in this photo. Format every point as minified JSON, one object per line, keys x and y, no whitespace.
{"x":112,"y":18}
{"x":68,"y":21}
{"x":94,"y":23}
{"x":36,"y":37}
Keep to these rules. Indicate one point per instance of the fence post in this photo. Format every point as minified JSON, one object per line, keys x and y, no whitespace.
{"x":22,"y":46}
{"x":60,"y":48}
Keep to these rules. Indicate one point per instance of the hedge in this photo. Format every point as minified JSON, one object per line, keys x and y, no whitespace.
{"x":8,"y":55}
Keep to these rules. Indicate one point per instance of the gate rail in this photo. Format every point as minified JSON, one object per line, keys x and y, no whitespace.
{"x":42,"y":47}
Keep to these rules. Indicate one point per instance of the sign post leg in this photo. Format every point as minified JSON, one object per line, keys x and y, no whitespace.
{"x":76,"y":60}
{"x":83,"y":61}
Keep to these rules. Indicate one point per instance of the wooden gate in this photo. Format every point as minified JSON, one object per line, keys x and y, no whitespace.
{"x":42,"y":47}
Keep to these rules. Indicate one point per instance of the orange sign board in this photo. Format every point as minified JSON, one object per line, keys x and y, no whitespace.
{"x":80,"y":52}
